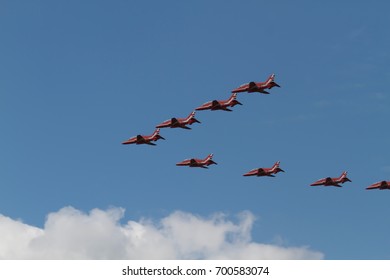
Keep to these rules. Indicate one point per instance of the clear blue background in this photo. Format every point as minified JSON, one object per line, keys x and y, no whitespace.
{"x":79,"y":77}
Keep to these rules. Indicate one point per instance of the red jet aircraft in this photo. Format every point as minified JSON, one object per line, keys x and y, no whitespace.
{"x":380,"y":185}
{"x":258,"y":87}
{"x":332,"y":181}
{"x":195,"y":162}
{"x":143,"y":139}
{"x":265,"y":171}
{"x":220,"y":104}
{"x":179,"y":122}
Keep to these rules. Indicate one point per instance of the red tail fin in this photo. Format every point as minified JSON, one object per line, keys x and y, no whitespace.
{"x":276,"y":165}
{"x":190,"y":116}
{"x":343,"y":175}
{"x":233,"y":97}
{"x":156,"y":132}
{"x":270,"y":79}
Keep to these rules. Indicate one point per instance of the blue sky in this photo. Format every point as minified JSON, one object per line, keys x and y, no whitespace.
{"x":79,"y":78}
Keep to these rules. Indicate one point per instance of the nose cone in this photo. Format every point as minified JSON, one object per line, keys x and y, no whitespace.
{"x":126,"y":142}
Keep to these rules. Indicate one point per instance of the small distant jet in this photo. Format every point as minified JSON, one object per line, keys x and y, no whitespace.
{"x":332,"y":181}
{"x":179,"y":122}
{"x":143,"y":139}
{"x":258,"y":87}
{"x":195,"y":162}
{"x":220,"y":104}
{"x":265,"y":171}
{"x":380,"y":185}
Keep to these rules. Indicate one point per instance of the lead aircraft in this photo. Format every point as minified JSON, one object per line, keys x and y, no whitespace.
{"x":179,"y":122}
{"x":265,"y":171}
{"x":220,"y":104}
{"x":145,"y":139}
{"x":328,"y":181}
{"x":259,"y":86}
{"x":195,"y":162}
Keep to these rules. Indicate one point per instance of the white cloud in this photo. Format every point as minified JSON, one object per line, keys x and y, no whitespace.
{"x":72,"y":234}
{"x":15,"y":237}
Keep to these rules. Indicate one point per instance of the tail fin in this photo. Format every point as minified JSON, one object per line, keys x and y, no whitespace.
{"x":343,"y":175}
{"x":272,"y":77}
{"x":209,"y":160}
{"x":190,"y":116}
{"x":343,"y":178}
{"x":156,"y":135}
{"x":275,"y":166}
{"x":233,"y":97}
{"x":191,"y":119}
{"x":156,"y":132}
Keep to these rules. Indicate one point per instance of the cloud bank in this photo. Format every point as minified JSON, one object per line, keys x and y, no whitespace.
{"x":72,"y":234}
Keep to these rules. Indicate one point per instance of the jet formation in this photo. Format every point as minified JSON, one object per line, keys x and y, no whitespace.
{"x":226,"y":105}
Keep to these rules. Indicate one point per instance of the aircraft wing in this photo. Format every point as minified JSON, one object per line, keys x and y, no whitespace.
{"x":252,"y":85}
{"x":328,"y":180}
{"x":215,"y":104}
{"x":260,"y":171}
{"x":193,"y":162}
